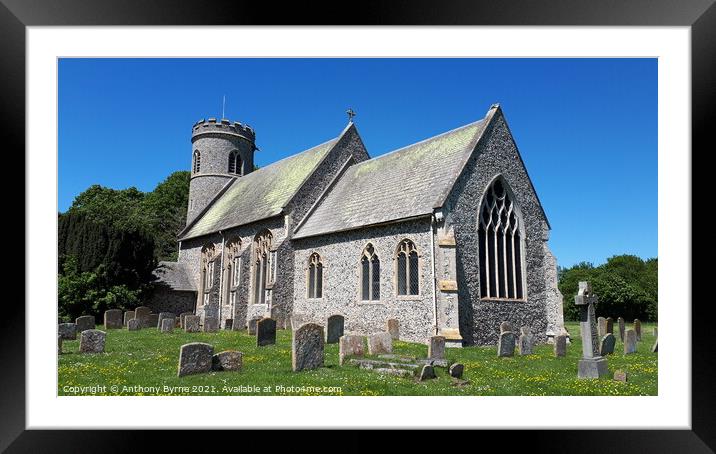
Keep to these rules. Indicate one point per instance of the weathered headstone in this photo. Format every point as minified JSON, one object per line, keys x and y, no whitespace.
{"x":59,"y":344}
{"x":334,"y":328}
{"x":394,"y":328}
{"x":637,"y":328}
{"x":506,"y":344}
{"x":427,"y":373}
{"x":606,"y":346}
{"x":525,"y":342}
{"x":505,"y":327}
{"x":128,"y":315}
{"x":656,"y":332}
{"x":630,"y":342}
{"x":591,"y":365}
{"x":622,"y":328}
{"x":167,"y":325}
{"x":191,"y":324}
{"x":134,"y":324}
{"x":211,"y":324}
{"x":162,"y":316}
{"x":142,"y":314}
{"x":436,"y":347}
{"x":152,"y":321}
{"x":195,"y":358}
{"x":228,"y":324}
{"x":92,"y":341}
{"x":84,"y":323}
{"x":113,"y":319}
{"x":229,"y":360}
{"x":252,"y":325}
{"x":350,"y":345}
{"x":601,"y":327}
{"x":560,"y":345}
{"x":610,"y":325}
{"x":620,"y":375}
{"x":456,"y":370}
{"x":182,"y":316}
{"x":380,"y":343}
{"x":655,"y":347}
{"x":265,"y":332}
{"x":307,"y":347}
{"x":68,"y":331}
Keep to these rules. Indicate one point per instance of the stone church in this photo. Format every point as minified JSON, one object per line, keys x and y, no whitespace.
{"x":447,"y":236}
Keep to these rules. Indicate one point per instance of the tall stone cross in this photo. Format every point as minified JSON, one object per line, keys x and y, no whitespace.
{"x":591,"y":365}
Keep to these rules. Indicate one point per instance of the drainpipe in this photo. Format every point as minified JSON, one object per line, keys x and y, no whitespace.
{"x":435,"y":296}
{"x":221,"y":275}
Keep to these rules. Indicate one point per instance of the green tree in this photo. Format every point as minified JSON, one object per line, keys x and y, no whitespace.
{"x":164,"y":210}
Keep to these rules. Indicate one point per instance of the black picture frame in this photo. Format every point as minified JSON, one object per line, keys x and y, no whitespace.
{"x":699,"y":15}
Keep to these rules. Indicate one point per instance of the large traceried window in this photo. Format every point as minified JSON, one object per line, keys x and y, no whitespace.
{"x":315,"y":276}
{"x":500,"y":243}
{"x":370,"y":274}
{"x":235,"y":163}
{"x":208,"y":256}
{"x":262,"y":268}
{"x":408,"y":273}
{"x":196,"y":165}
{"x":232,"y":273}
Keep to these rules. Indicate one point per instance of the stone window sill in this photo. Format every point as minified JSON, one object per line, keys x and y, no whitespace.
{"x":315,"y":300}
{"x":371,"y":303}
{"x":503,"y":300}
{"x":409,"y":298}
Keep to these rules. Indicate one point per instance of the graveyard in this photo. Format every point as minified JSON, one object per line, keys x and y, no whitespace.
{"x":144,"y":362}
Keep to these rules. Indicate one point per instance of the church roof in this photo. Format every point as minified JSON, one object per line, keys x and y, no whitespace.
{"x":174,"y":275}
{"x":260,"y":194}
{"x":402,"y":184}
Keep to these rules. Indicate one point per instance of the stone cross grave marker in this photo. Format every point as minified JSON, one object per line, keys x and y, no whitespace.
{"x":591,"y":365}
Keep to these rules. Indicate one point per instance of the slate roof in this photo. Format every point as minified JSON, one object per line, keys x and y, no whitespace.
{"x":174,"y":275}
{"x":260,"y":194}
{"x":405,"y":183}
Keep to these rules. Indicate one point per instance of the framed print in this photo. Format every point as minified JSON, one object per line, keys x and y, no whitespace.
{"x":404,"y":217}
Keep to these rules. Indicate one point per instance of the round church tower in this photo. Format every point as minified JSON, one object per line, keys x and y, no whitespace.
{"x":221,"y":150}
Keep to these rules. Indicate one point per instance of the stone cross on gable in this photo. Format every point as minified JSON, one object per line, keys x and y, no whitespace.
{"x":351,"y":114}
{"x":586,"y":301}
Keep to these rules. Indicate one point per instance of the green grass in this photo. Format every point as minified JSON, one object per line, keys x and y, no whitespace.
{"x":148,"y":358}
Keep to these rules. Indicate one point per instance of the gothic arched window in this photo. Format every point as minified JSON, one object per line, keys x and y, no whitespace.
{"x":235,"y":163}
{"x":370,"y":274}
{"x":315,"y":276}
{"x":197,"y":161}
{"x":232,"y":272}
{"x":500,"y":243}
{"x":262,"y":269}
{"x":206,"y":278}
{"x":408,"y":273}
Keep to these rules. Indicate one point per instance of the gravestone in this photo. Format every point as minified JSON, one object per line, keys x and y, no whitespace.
{"x":113,"y":319}
{"x":167,"y":325}
{"x":195,"y":358}
{"x":350,"y":345}
{"x":265,"y":332}
{"x":560,"y":345}
{"x":134,"y":324}
{"x":92,"y":341}
{"x":610,"y":325}
{"x":211,"y":324}
{"x":427,"y":373}
{"x":84,"y":323}
{"x":142,"y":314}
{"x":162,"y":316}
{"x":436,"y":347}
{"x":380,"y":343}
{"x":59,"y":344}
{"x":456,"y":370}
{"x":307,"y":347}
{"x":606,"y":346}
{"x":621,"y":376}
{"x":68,"y":331}
{"x":655,"y":347}
{"x":229,"y":360}
{"x":525,"y":342}
{"x":152,"y":321}
{"x":128,"y":315}
{"x":394,"y":328}
{"x":601,"y":327}
{"x":630,"y":342}
{"x":656,"y":332}
{"x":182,"y":316}
{"x":229,"y":324}
{"x":506,"y":344}
{"x":620,"y":322}
{"x":334,"y":328}
{"x":252,"y":325}
{"x":191,"y":324}
{"x":637,"y":328}
{"x":591,"y":365}
{"x":505,"y":327}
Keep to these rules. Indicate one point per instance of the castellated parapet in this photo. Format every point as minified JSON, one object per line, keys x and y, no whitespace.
{"x":221,"y":150}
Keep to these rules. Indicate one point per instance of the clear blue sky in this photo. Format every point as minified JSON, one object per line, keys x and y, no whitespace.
{"x":586,"y":128}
